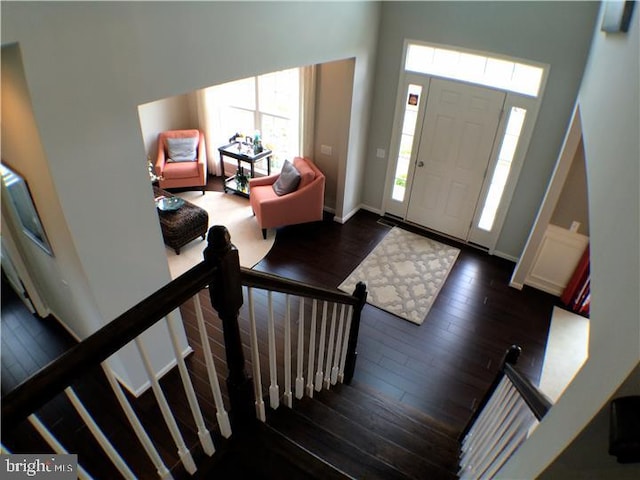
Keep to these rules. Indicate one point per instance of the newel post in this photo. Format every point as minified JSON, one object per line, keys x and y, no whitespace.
{"x":350,"y":363}
{"x":226,"y":297}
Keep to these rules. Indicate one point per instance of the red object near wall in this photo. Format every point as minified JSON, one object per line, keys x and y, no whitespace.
{"x":577,"y":294}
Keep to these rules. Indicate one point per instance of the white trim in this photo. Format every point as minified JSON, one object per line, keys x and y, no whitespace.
{"x":506,"y":256}
{"x":572,"y":140}
{"x":371,"y":209}
{"x":531,"y":104}
{"x":556,"y":258}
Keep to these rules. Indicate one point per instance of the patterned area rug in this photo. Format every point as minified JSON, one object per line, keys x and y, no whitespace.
{"x":233,"y":212}
{"x":404,"y":273}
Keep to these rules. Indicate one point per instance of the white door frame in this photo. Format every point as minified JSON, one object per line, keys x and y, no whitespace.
{"x":531,"y":104}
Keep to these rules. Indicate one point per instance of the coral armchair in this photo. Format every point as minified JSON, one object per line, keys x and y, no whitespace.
{"x":305,"y":204}
{"x":188,"y":170}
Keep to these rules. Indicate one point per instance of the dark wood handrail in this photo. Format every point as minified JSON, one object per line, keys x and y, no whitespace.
{"x":38,"y":389}
{"x":49,"y":381}
{"x":266,"y":281}
{"x":535,"y":399}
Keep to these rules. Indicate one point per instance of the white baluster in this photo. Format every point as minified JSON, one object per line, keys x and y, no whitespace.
{"x":323,"y":332}
{"x":183,"y":451}
{"x":487,"y":423}
{"x":312,"y":347}
{"x":512,"y":439}
{"x":332,"y":331}
{"x":470,"y":443}
{"x":336,"y":358}
{"x":484,"y":441}
{"x":345,"y":344}
{"x":214,"y":383}
{"x":55,"y":445}
{"x":137,"y":426}
{"x":255,"y":359}
{"x":500,"y":407}
{"x":274,"y":390}
{"x":288,"y":399}
{"x":492,"y":445}
{"x":300,"y":359}
{"x":486,"y":415}
{"x":203,"y":433}
{"x":101,"y":438}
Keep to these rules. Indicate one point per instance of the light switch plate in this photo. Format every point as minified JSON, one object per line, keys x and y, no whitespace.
{"x":325,"y":149}
{"x":380,"y":153}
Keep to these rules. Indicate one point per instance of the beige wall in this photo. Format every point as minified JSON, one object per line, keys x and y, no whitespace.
{"x":573,"y":204}
{"x":334,"y":88}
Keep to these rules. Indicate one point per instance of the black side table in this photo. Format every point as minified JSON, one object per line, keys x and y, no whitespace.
{"x":242,"y":152}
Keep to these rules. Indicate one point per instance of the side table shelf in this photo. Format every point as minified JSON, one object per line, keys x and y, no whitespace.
{"x":242,"y":153}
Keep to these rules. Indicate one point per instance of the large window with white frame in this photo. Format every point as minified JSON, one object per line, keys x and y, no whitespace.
{"x":267,"y":103}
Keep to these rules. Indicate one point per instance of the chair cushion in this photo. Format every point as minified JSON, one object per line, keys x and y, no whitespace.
{"x":307,"y":173}
{"x":288,"y":180}
{"x":180,"y":170}
{"x":182,"y":149}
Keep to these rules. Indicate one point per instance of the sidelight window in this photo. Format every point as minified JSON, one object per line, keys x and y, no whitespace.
{"x":407,"y":136}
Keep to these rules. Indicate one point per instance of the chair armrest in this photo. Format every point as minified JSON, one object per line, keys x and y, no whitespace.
{"x":160,"y":158}
{"x":260,"y":181}
{"x":202,"y":156}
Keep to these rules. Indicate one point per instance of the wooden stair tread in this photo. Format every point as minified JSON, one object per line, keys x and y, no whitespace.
{"x":413,"y":464}
{"x":363,"y":392}
{"x":384,"y":419}
{"x":351,"y":460}
{"x":263,"y":453}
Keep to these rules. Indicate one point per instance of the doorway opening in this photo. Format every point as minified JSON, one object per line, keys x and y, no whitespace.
{"x":481,"y":156}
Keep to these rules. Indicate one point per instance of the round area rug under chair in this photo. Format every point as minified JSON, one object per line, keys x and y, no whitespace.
{"x":232,"y":211}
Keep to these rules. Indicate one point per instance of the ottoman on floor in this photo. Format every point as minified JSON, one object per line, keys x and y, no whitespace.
{"x":181,"y":226}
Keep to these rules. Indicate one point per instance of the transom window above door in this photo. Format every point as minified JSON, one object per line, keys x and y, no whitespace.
{"x":476,"y":68}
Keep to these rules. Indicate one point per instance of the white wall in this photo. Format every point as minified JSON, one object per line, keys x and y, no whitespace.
{"x":89,"y":65}
{"x":59,"y":279}
{"x":556,"y":33}
{"x":609,"y":97}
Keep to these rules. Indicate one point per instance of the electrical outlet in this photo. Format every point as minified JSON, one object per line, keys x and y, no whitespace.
{"x":325,"y":150}
{"x":574,"y":226}
{"x":380,"y":153}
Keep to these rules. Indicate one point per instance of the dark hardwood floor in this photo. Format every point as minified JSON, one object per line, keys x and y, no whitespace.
{"x":441,"y":368}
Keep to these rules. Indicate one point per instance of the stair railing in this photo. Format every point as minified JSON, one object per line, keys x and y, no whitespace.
{"x":509,"y":411}
{"x":221,"y":273}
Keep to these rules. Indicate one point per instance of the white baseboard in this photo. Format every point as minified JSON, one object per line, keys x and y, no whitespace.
{"x":369,"y":208}
{"x":146,"y":385}
{"x":516,"y":285}
{"x":506,"y":256}
{"x":329,"y":209}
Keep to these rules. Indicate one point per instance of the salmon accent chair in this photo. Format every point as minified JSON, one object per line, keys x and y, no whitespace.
{"x":303,"y":205}
{"x":187,"y":172}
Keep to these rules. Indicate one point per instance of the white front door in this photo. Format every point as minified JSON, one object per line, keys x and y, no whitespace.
{"x":456,"y":142}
